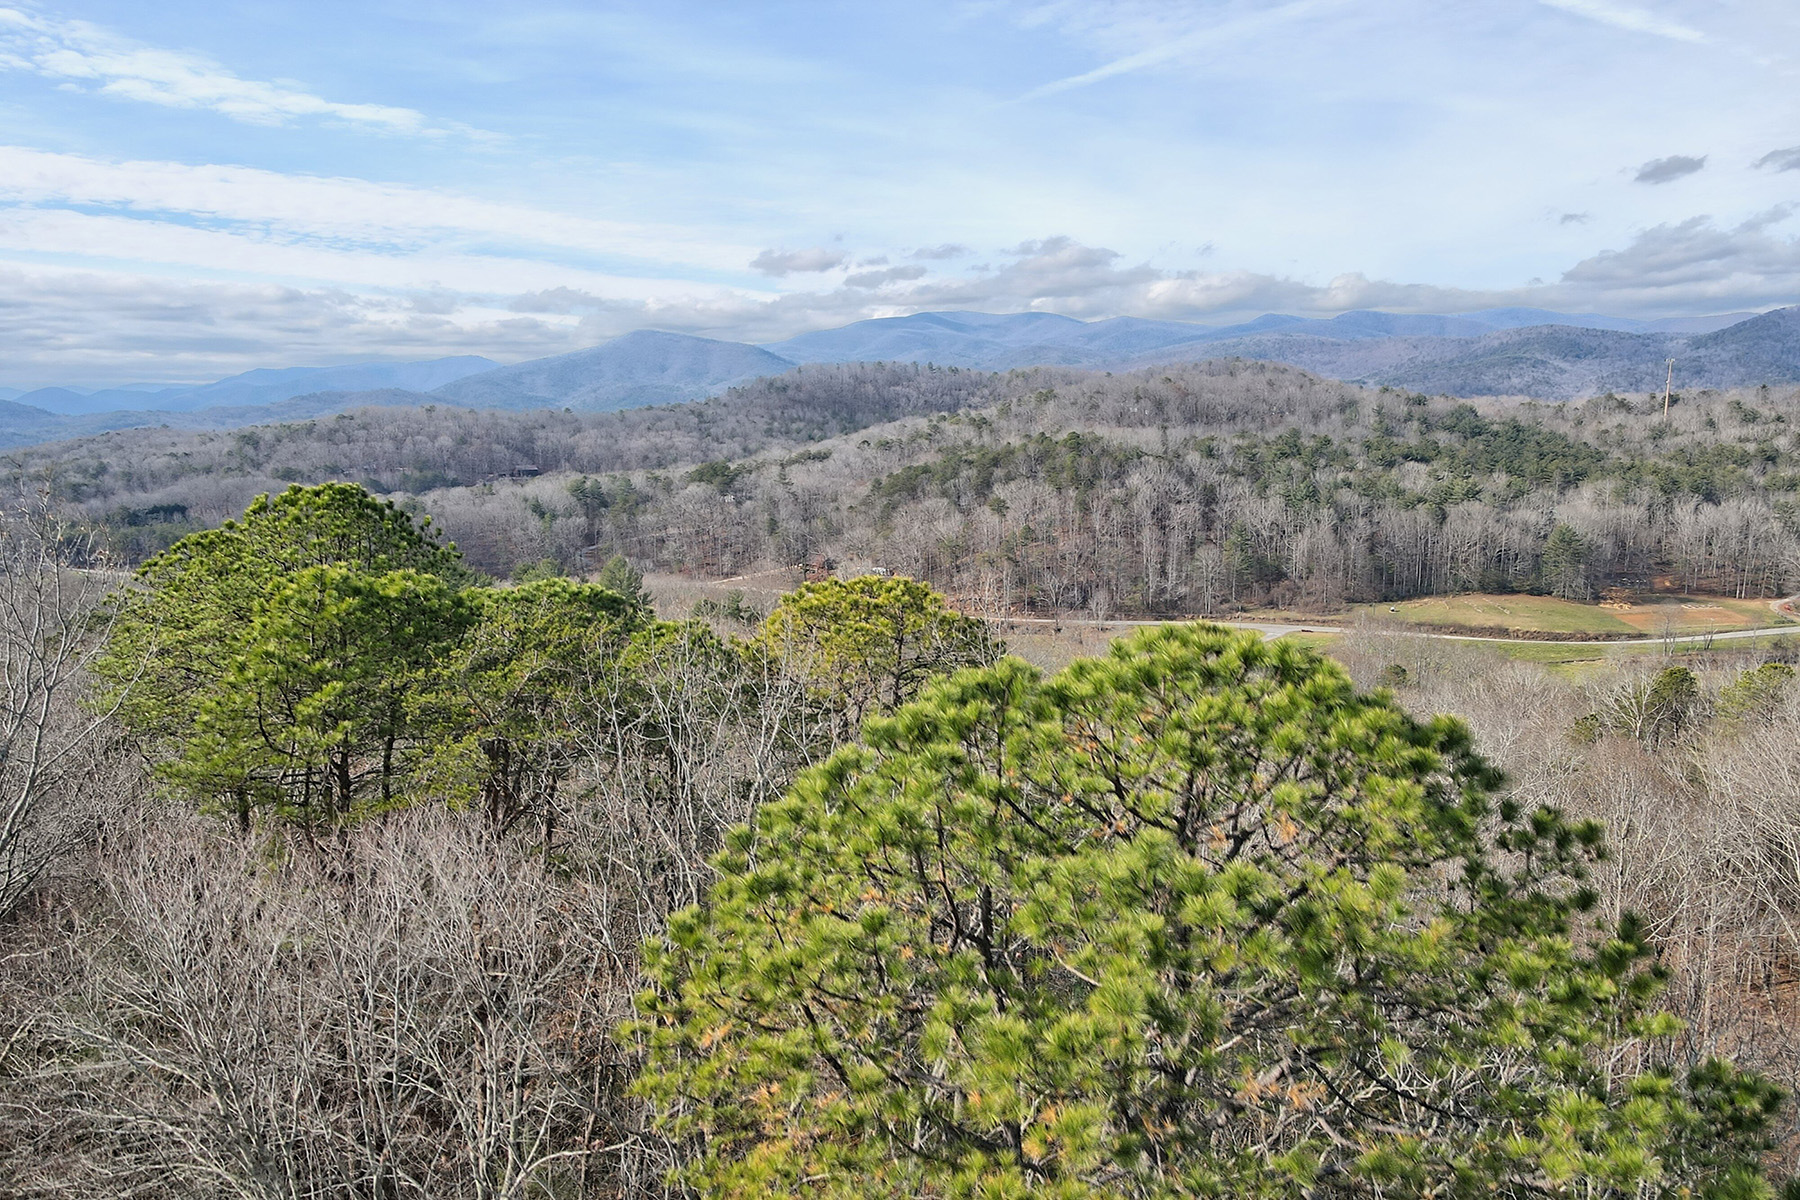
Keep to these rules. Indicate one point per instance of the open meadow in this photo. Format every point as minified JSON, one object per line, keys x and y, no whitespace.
{"x":1639,"y":616}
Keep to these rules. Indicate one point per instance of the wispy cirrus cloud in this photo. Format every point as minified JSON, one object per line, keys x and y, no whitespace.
{"x":265,"y":209}
{"x":84,"y":55}
{"x":1629,"y":17}
{"x":1161,"y":48}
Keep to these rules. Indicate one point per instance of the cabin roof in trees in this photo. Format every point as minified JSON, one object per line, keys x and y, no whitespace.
{"x":520,"y":471}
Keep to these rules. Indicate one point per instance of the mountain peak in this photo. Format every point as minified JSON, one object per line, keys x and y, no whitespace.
{"x":646,"y":366}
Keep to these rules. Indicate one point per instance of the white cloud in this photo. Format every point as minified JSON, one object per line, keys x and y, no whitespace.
{"x":109,"y":326}
{"x":269,"y":207}
{"x":117,"y":325}
{"x":85,"y":55}
{"x":887,"y":275}
{"x":153,"y":270}
{"x":70,"y":237}
{"x":788,"y":262}
{"x":1629,"y":17}
{"x":1695,"y":265}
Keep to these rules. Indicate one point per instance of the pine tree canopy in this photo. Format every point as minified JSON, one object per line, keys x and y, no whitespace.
{"x":1192,"y":919}
{"x":872,"y":642}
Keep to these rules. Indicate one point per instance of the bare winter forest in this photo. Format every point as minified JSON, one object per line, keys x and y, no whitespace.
{"x":1193,"y":490}
{"x":328,"y":866}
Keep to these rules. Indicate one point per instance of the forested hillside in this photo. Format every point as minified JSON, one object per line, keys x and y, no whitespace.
{"x":1196,"y":490}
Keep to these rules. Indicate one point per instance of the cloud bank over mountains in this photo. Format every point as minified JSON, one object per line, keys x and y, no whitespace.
{"x":193,"y":191}
{"x":391,"y":272}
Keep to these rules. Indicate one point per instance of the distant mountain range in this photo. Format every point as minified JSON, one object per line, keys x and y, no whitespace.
{"x":262,"y":386}
{"x":1551,"y":362}
{"x":633,"y":371}
{"x":997,"y":343}
{"x":1503,"y":351}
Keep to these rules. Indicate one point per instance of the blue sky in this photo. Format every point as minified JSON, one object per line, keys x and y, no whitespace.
{"x":190,"y":189}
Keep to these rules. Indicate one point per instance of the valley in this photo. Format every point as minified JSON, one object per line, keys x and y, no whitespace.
{"x":1214,"y":490}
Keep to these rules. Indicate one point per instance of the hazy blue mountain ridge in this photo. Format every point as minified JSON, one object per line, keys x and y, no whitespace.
{"x":1552,"y":362}
{"x":261,"y":386}
{"x":24,"y":425}
{"x":988,"y":342}
{"x":76,"y":402}
{"x":272,"y":386}
{"x":638,"y":369}
{"x":1509,"y":351}
{"x":954,"y":339}
{"x":21,"y":425}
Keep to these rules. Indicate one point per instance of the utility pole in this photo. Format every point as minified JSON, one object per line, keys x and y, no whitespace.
{"x":1666,"y":385}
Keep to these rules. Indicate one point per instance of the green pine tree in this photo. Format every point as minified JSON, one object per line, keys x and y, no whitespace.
{"x":620,"y":576}
{"x":264,"y":664}
{"x":1756,"y":694}
{"x":870,"y":644}
{"x":538,"y":658}
{"x":1565,"y":564}
{"x":1193,"y":919}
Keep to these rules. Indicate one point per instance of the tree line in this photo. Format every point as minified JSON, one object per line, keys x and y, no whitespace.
{"x":1235,"y":486}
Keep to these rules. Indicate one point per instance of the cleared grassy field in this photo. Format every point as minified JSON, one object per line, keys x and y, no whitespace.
{"x":1644,"y":616}
{"x":1574,"y":662}
{"x":1052,"y":645}
{"x":1563,"y":653}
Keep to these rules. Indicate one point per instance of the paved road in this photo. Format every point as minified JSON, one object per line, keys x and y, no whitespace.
{"x":1272,"y":630}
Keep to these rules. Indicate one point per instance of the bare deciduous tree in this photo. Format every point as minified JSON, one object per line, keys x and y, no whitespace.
{"x":430,"y":1013}
{"x":53,"y":620}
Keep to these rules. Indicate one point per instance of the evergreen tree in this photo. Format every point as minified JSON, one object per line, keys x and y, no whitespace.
{"x":1673,"y":697}
{"x":1757,"y":694}
{"x":870,"y":644}
{"x":266,"y":664}
{"x":313,"y":719}
{"x":538,"y":658}
{"x":618,"y":575}
{"x":1565,"y":564}
{"x":1193,"y":919}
